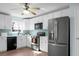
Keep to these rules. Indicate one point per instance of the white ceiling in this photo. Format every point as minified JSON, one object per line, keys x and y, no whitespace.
{"x":15,"y":9}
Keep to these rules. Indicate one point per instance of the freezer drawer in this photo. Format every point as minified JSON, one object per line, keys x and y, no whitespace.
{"x":57,"y":50}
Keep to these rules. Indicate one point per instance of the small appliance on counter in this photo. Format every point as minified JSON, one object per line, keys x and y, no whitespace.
{"x":41,"y":34}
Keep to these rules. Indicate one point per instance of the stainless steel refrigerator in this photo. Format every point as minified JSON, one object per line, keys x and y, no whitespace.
{"x":59,"y":36}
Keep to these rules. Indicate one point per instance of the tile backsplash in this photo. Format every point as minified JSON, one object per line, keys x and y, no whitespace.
{"x":34,"y":32}
{"x":25,"y":32}
{"x":4,"y":31}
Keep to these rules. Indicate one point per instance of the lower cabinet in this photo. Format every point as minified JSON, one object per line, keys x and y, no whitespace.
{"x":28,"y":41}
{"x":44,"y":43}
{"x":21,"y":42}
{"x":3,"y":43}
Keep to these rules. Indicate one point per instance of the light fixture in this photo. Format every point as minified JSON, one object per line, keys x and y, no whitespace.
{"x":26,"y":12}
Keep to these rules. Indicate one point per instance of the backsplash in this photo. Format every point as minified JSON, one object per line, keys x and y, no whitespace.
{"x":25,"y":32}
{"x":4,"y":31}
{"x":34,"y":32}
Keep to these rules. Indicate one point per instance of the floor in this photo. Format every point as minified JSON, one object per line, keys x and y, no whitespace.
{"x":23,"y":52}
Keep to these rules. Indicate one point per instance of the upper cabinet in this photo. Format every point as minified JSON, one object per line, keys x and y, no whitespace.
{"x":1,"y":21}
{"x":5,"y":21}
{"x":27,"y":24}
{"x":8,"y":22}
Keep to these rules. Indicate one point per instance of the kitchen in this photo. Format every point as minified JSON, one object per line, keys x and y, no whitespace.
{"x":19,"y":30}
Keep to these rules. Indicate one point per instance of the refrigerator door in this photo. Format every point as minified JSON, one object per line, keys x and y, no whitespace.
{"x":50,"y":30}
{"x":57,"y":50}
{"x":55,"y":30}
{"x":62,"y":30}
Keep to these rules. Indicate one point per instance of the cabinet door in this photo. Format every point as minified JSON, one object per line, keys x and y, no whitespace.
{"x":24,"y":41}
{"x":44,"y":44}
{"x":7,"y":22}
{"x":27,"y":24}
{"x":32,"y":24}
{"x":21,"y":41}
{"x":45,"y":23}
{"x":3,"y":44}
{"x":28,"y":41}
{"x":1,"y":21}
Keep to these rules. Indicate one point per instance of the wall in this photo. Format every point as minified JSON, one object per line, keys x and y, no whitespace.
{"x":74,"y":15}
{"x":72,"y":31}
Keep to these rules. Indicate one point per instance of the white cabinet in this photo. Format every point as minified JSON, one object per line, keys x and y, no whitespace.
{"x":29,"y":41}
{"x":44,"y":43}
{"x":5,"y":21}
{"x":3,"y":43}
{"x":1,"y":21}
{"x":27,"y":24}
{"x":45,"y":22}
{"x":32,"y":22}
{"x":21,"y":41}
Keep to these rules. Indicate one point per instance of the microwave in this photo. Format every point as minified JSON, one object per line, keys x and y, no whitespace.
{"x":38,"y":25}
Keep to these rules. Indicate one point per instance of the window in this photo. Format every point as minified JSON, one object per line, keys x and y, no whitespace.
{"x":18,"y":26}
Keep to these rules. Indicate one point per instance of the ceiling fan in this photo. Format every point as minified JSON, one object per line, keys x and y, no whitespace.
{"x":28,"y":7}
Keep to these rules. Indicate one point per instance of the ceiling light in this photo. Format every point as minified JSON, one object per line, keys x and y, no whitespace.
{"x":26,"y":12}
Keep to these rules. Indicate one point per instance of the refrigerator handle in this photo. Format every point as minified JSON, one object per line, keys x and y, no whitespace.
{"x":53,"y":36}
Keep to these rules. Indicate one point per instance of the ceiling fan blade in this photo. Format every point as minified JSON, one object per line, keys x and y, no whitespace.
{"x":35,"y":8}
{"x":32,"y":12}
